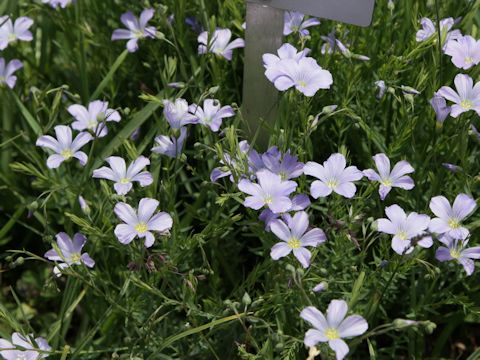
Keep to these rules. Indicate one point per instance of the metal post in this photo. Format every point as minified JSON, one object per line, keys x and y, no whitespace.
{"x":264,"y":34}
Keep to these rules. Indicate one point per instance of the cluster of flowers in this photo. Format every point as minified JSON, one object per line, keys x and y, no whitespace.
{"x":464,"y":51}
{"x":91,"y":123}
{"x":11,"y":32}
{"x":179,"y":114}
{"x":293,"y":68}
{"x":267,"y":179}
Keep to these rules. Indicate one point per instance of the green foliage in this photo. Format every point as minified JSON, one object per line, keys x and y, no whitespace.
{"x":209,"y":290}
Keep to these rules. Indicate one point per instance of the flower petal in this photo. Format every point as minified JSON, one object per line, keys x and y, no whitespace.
{"x":337,"y":309}
{"x":136,"y":166}
{"x":281,"y":230}
{"x":463,"y":206}
{"x":319,"y":189}
{"x":299,"y":224}
{"x":303,"y":256}
{"x":340,"y":347}
{"x":280,"y":250}
{"x":160,"y":222}
{"x":125,"y":233}
{"x":146,"y":208}
{"x":126,"y":213}
{"x":352,"y":326}
{"x":313,"y":238}
{"x":315,"y":317}
{"x":441,"y":207}
{"x":87,"y":260}
{"x":313,"y":337}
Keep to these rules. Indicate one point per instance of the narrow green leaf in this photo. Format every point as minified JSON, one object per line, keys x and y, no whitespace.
{"x":106,"y":80}
{"x":170,"y":340}
{"x":37,"y":129}
{"x":137,"y":120}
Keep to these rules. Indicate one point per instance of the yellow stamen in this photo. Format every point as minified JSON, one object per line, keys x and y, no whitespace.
{"x":468,"y":60}
{"x":124,"y":181}
{"x":302,"y":83}
{"x":75,"y":257}
{"x":92,"y":124}
{"x":454,"y":223}
{"x":386,"y":182}
{"x":141,"y":228}
{"x":268,"y":199}
{"x":402,"y":235}
{"x":332,"y":334}
{"x":454,"y":253}
{"x":332,"y":184}
{"x":138,"y":34}
{"x":294,"y":243}
{"x":67,"y":154}
{"x":466,"y":104}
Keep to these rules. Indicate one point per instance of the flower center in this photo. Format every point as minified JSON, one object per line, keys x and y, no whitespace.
{"x":21,"y":357}
{"x":454,"y":253}
{"x":283,"y":175}
{"x":403,"y":235}
{"x":302,"y":83}
{"x":124,"y":180}
{"x":92,"y":124}
{"x":454,"y":223}
{"x":75,"y":257}
{"x":332,"y":334}
{"x":466,"y":104}
{"x":268,"y":199}
{"x":138,"y":34}
{"x":386,"y":182}
{"x":468,"y":60}
{"x":332,"y":184}
{"x":294,"y":243}
{"x":141,"y":228}
{"x":11,"y":38}
{"x":67,"y":154}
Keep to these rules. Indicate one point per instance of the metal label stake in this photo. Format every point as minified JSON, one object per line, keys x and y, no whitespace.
{"x":264,"y":34}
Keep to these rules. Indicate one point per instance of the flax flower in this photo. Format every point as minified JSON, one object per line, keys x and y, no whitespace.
{"x":141,"y":223}
{"x":70,"y":252}
{"x":333,"y":176}
{"x":123,"y":176}
{"x":295,"y":238}
{"x":64,"y":147}
{"x":333,"y":328}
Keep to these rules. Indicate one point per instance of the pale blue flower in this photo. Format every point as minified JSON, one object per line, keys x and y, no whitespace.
{"x":70,"y":252}
{"x":295,"y":23}
{"x":271,"y":191}
{"x":295,"y":238}
{"x":219,"y":43}
{"x":24,"y":347}
{"x":405,"y":228}
{"x":136,"y":29}
{"x":388,"y":179}
{"x":449,"y":218}
{"x":64,"y":147}
{"x":141,"y":223}
{"x":334,"y":176}
{"x":457,"y":250}
{"x":334,"y":327}
{"x":124,"y":177}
